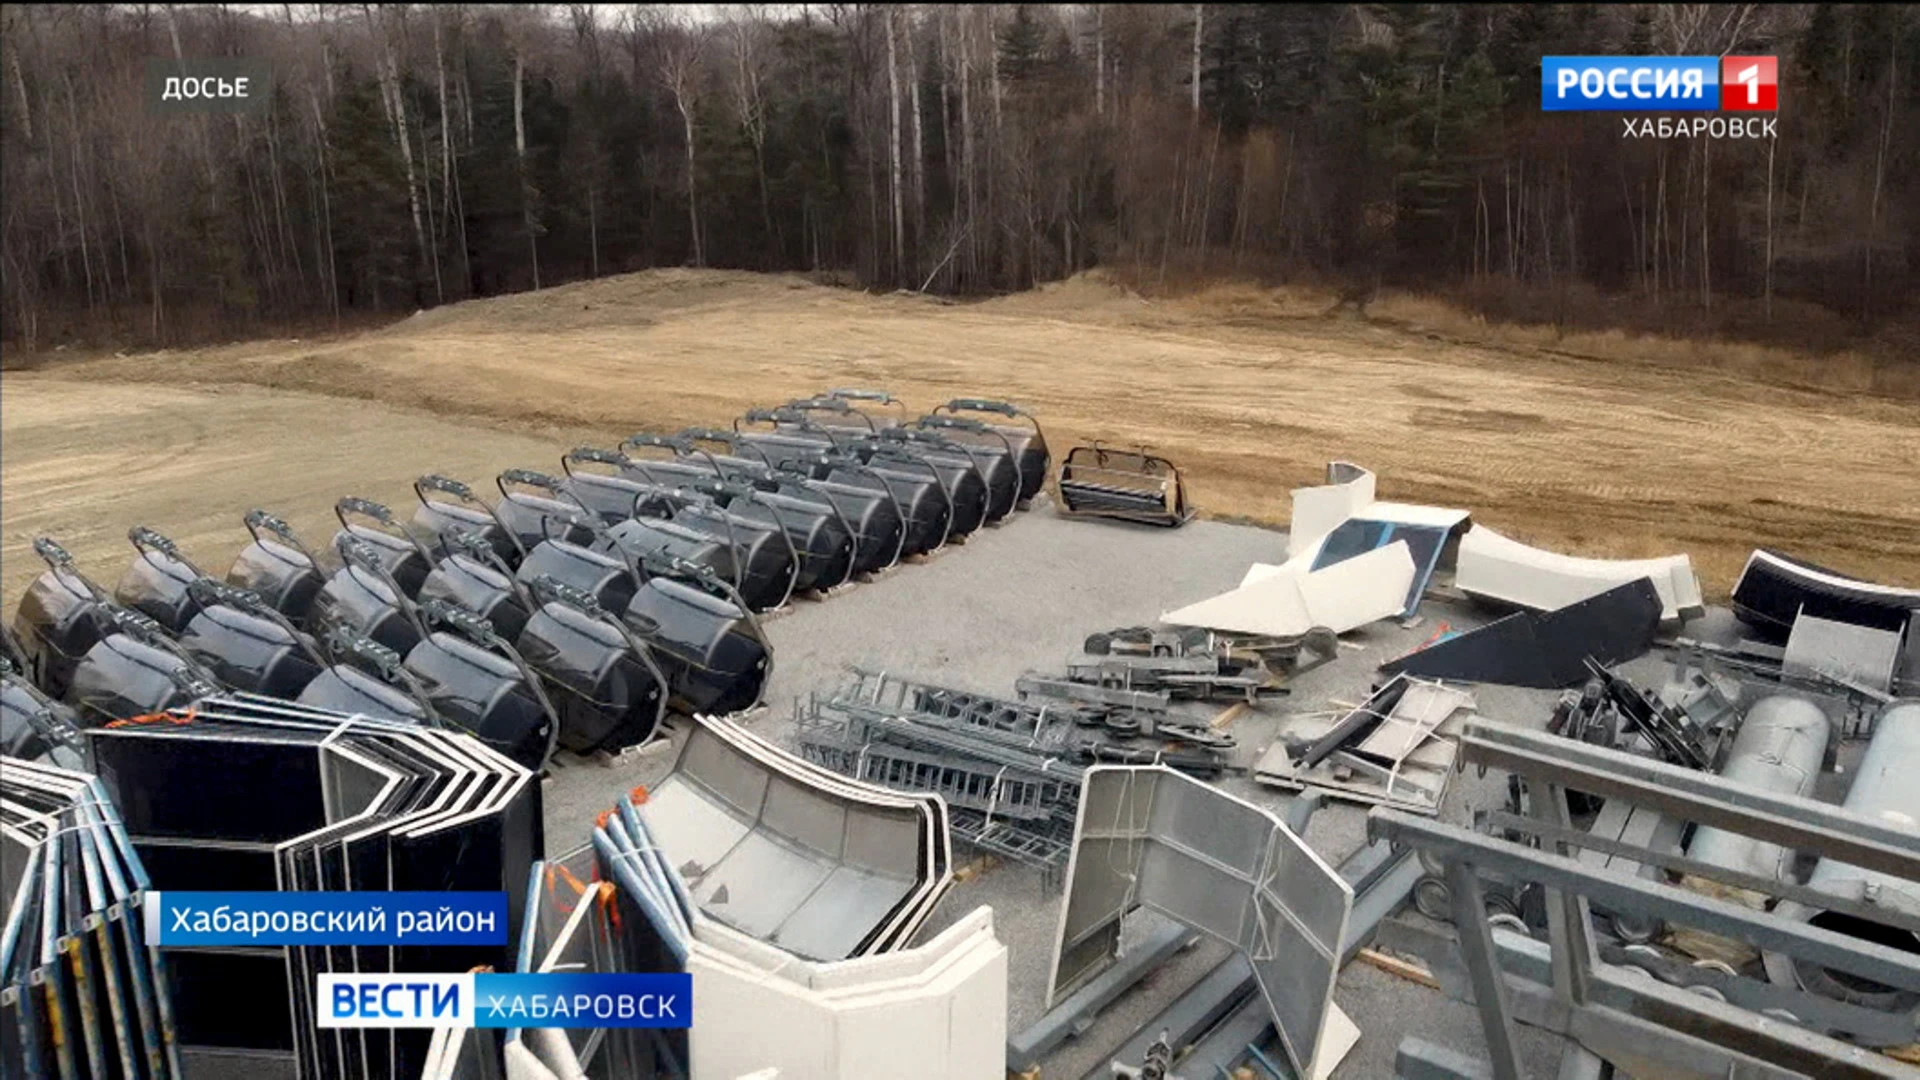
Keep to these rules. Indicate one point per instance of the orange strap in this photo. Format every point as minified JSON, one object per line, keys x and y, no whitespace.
{"x":608,"y":896}
{"x":557,"y":874}
{"x":153,"y":718}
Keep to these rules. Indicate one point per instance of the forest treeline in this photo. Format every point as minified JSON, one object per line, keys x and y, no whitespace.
{"x":413,"y":155}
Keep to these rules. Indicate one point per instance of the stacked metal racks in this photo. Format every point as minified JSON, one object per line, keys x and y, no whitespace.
{"x":248,"y":793}
{"x":1005,"y":768}
{"x":82,"y":992}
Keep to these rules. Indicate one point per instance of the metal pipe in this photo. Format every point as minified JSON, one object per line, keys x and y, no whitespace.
{"x":1779,"y":749}
{"x":1884,"y":790}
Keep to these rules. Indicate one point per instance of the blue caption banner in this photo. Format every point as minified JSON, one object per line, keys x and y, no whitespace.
{"x":483,"y":1000}
{"x":326,"y":918}
{"x":1629,"y":83}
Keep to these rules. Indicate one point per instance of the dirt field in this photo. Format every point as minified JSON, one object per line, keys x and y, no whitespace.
{"x":86,"y":460}
{"x":1251,"y":391}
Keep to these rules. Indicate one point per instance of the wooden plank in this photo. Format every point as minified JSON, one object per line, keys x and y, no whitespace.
{"x":1393,"y":965}
{"x":1230,"y":714}
{"x":975,"y":868}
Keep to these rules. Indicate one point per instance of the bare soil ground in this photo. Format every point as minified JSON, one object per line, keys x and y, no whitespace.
{"x":84,"y":460}
{"x":1252,"y":391}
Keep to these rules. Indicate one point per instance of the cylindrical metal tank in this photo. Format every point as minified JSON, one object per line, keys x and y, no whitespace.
{"x":1778,"y":750}
{"x":1885,"y":789}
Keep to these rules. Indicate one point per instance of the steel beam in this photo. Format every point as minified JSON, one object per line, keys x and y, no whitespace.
{"x":1882,"y":964}
{"x":1154,"y":701}
{"x":1483,"y":967}
{"x":1647,"y":1048}
{"x":1074,"y":1015}
{"x":1670,"y":1032}
{"x":1218,"y":993}
{"x":1736,"y":1033}
{"x":1418,"y":1059}
{"x":1381,"y":877}
{"x":1300,"y":810}
{"x":1227,"y":1044}
{"x":1155,"y":838}
{"x":1703,"y":798}
{"x":1579,"y":1063}
{"x":1569,"y":921}
{"x":1618,"y":983}
{"x":1679,"y":864}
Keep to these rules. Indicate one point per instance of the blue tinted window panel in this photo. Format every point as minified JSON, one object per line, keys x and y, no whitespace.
{"x":1357,"y":536}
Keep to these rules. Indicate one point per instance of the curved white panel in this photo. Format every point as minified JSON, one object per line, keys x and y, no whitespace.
{"x":1287,"y":600}
{"x":1316,"y":510}
{"x":1349,"y":493}
{"x":938,"y":1011}
{"x":811,"y":862}
{"x":1499,"y":568}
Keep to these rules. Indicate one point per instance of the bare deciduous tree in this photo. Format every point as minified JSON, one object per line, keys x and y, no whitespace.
{"x":387,"y":64}
{"x":1199,"y":22}
{"x":893,"y":142}
{"x":745,"y":26}
{"x":678,"y":45}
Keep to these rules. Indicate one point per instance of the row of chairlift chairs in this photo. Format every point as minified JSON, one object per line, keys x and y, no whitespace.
{"x":571,"y":612}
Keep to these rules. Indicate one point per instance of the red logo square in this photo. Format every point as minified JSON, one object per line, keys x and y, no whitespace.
{"x":1749,"y":83}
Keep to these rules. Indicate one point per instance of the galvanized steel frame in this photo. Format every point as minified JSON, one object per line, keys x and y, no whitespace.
{"x":1669,"y":1031}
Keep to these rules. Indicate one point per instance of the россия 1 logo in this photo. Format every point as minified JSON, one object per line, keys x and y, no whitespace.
{"x":1659,"y":83}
